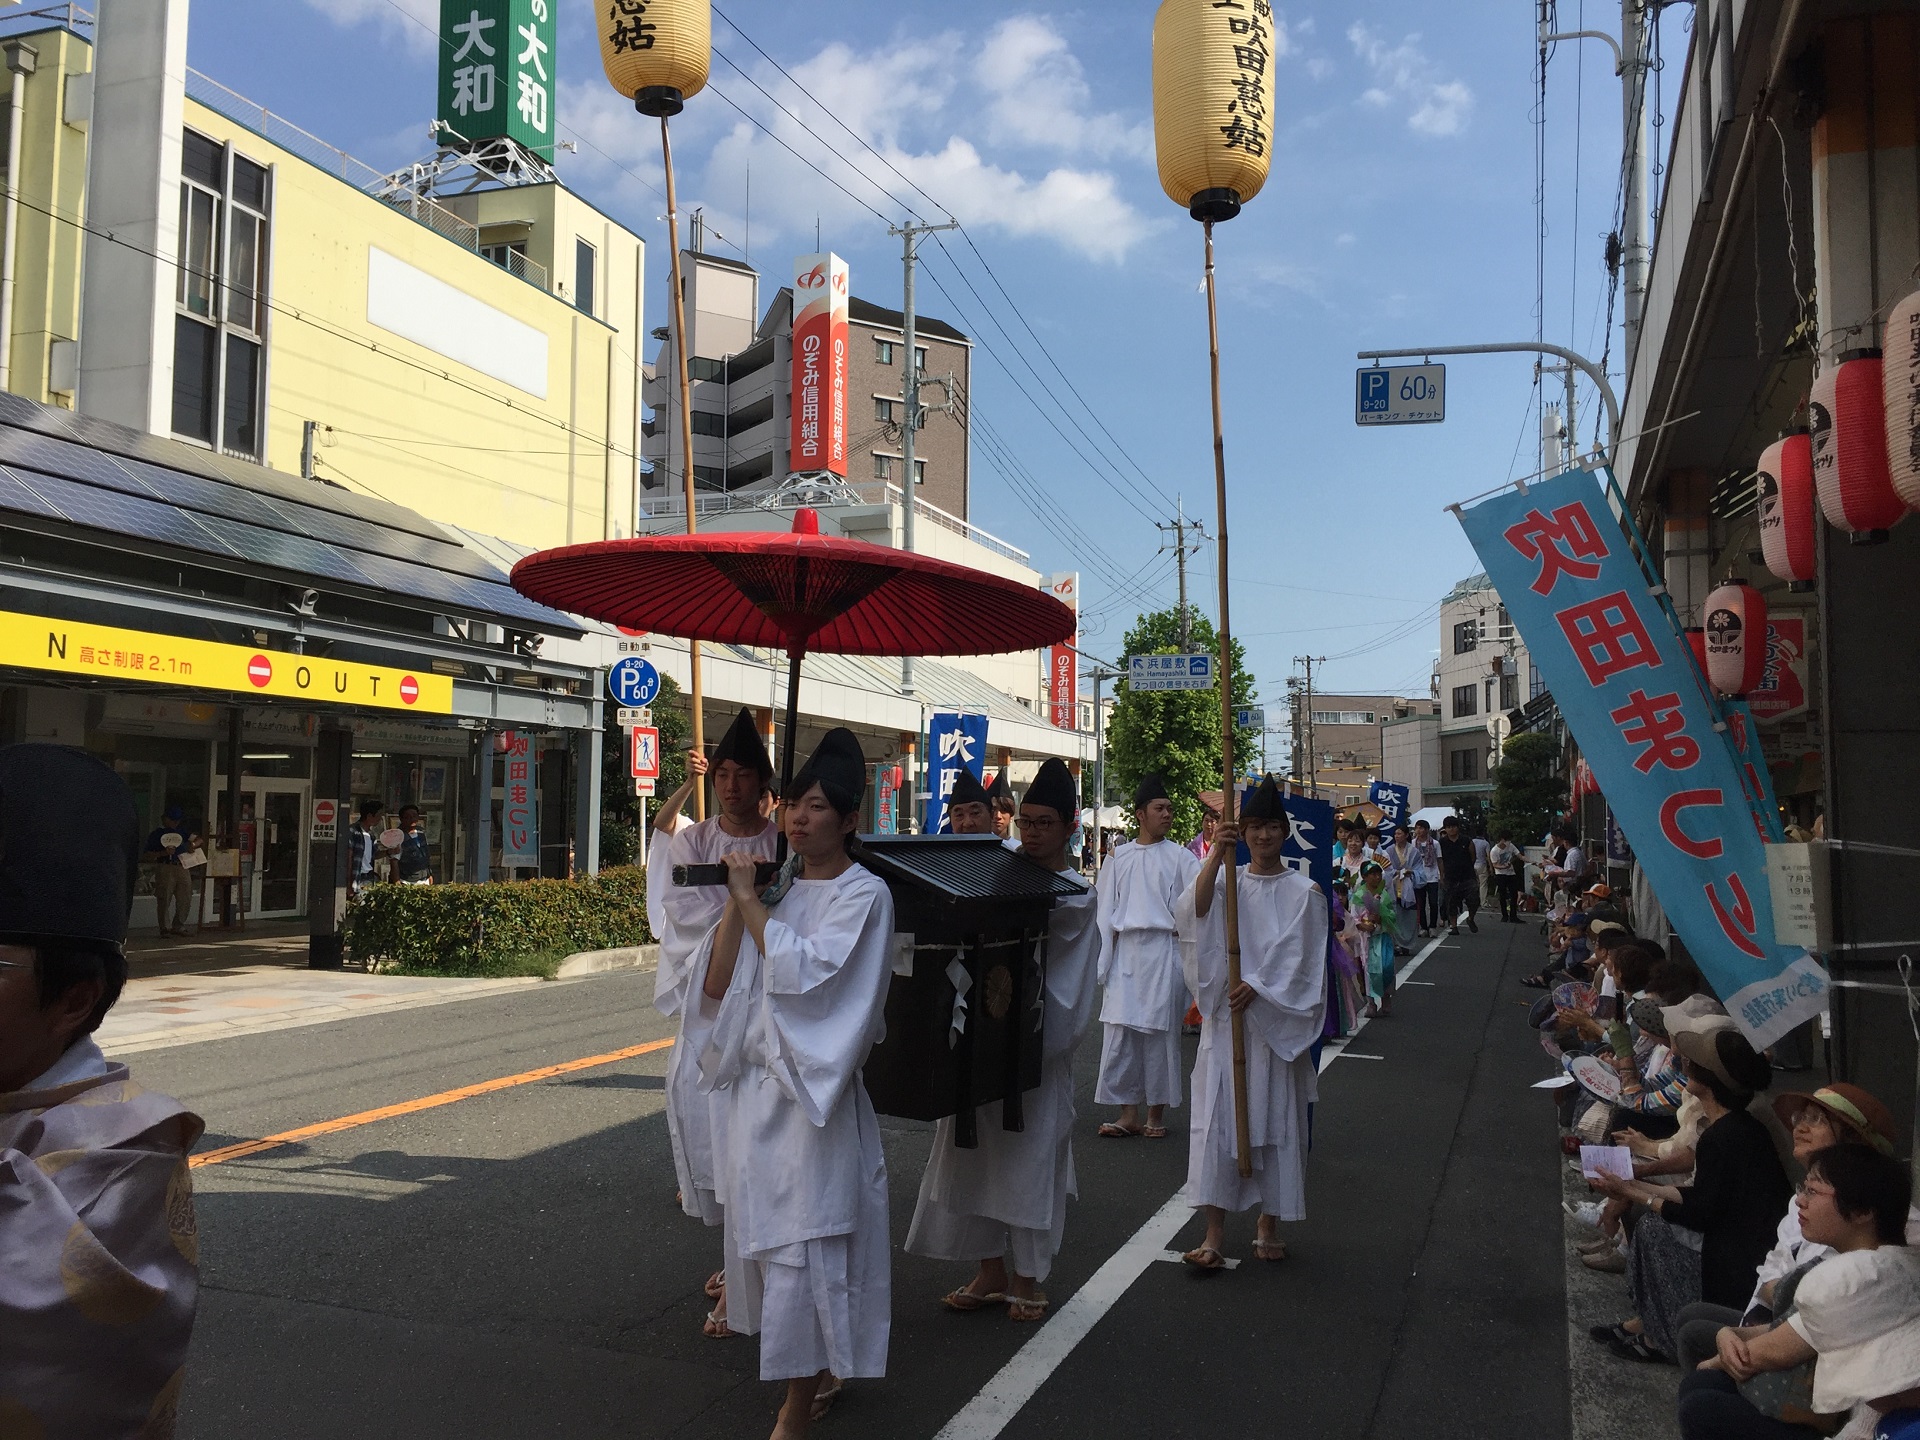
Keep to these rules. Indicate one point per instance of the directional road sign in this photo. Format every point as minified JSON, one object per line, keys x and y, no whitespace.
{"x":633,"y":682}
{"x":1400,"y":395}
{"x":1170,"y":672}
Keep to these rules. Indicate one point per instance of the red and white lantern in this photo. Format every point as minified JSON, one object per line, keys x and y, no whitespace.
{"x":1848,"y":409}
{"x":1900,"y":392}
{"x":1784,"y":486}
{"x":1736,"y":639}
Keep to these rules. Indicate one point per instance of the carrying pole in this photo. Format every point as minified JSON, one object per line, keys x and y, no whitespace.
{"x":1241,"y":1137}
{"x":686,"y":446}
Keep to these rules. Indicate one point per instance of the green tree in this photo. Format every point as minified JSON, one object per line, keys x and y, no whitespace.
{"x":619,"y":807}
{"x":1526,"y":793}
{"x":1176,"y":732}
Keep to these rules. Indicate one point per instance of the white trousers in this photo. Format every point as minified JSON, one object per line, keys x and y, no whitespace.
{"x":1139,"y":1067}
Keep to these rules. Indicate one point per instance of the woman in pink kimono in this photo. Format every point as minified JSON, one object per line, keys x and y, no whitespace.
{"x":98,"y":1253}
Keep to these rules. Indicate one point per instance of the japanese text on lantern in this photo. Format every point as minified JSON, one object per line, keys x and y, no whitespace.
{"x":1249,"y":23}
{"x":628,"y":29}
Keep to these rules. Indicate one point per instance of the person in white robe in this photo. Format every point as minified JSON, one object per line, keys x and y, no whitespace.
{"x":1144,"y":997}
{"x":1282,"y":1001}
{"x":1005,"y":1202}
{"x":742,"y":779}
{"x":667,"y":821}
{"x":99,"y":1255}
{"x":794,"y":998}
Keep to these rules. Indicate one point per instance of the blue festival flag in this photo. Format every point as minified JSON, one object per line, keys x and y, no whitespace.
{"x":954,"y":742}
{"x":1681,"y":771}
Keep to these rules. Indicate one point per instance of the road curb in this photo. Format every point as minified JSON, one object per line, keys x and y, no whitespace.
{"x":600,"y":962}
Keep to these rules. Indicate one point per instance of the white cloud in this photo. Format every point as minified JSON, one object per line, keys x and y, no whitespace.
{"x":1039,"y":94}
{"x":416,"y":23}
{"x":1404,"y":78}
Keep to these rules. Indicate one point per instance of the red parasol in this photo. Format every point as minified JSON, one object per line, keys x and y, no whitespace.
{"x":798,"y":591}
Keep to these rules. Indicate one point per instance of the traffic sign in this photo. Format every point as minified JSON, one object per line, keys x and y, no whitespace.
{"x":638,"y":715}
{"x":644,"y":788}
{"x":644,"y":751}
{"x":1400,"y":395}
{"x":1254,"y":719}
{"x":1170,"y":672}
{"x":326,"y":819}
{"x":633,"y":681}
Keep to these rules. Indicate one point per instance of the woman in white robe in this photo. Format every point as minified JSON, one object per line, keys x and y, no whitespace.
{"x":1007,"y":1198}
{"x":795,"y":998}
{"x":1282,"y":999}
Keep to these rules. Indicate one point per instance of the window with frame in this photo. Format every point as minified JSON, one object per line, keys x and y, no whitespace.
{"x":882,"y":467}
{"x":882,"y":352}
{"x":1344,"y":717}
{"x":1466,"y":637}
{"x":220,"y":297}
{"x":705,"y":422}
{"x":1465,"y":700}
{"x":920,"y":358}
{"x":1463,"y":765}
{"x":883,"y":408}
{"x":584,"y":256}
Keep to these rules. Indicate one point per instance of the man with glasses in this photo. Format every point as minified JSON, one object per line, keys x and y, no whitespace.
{"x":100,"y":1281}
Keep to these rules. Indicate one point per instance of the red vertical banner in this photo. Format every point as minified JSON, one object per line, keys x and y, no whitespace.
{"x":1063,"y":665}
{"x":820,"y":338}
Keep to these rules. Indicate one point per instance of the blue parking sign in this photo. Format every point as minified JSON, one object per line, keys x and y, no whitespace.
{"x":633,"y":682}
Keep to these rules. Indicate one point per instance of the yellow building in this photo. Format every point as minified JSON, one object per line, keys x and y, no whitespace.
{"x":472,"y":357}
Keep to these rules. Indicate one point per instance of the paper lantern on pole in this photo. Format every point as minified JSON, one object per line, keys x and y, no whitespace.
{"x":1900,"y":392}
{"x":656,"y":52}
{"x":1784,"y":486}
{"x":1736,"y":638}
{"x":1848,"y":410}
{"x":1212,"y":107}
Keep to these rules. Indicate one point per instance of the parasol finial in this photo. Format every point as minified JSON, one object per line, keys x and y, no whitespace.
{"x":806,"y":521}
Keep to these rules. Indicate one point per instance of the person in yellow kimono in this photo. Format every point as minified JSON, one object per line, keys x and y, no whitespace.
{"x":99,"y":1272}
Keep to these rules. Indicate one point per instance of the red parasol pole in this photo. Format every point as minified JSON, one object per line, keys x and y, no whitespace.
{"x":1226,"y":727}
{"x":686,"y":441}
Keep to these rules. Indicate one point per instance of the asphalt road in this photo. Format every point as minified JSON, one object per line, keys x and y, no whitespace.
{"x":514,"y":1264}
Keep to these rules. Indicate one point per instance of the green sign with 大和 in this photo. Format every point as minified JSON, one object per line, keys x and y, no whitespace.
{"x":497,"y":73}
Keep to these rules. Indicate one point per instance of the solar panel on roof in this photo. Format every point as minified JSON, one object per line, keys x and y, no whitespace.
{"x":122,"y":514}
{"x":209,"y":497}
{"x":74,"y":462}
{"x":285,"y":552}
{"x":15,"y":496}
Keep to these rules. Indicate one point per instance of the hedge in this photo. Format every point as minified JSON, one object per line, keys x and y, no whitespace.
{"x":496,"y":929}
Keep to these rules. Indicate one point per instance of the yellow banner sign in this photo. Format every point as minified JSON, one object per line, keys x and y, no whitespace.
{"x":104,"y":652}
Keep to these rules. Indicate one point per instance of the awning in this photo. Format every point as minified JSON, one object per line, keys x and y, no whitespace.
{"x":83,"y":479}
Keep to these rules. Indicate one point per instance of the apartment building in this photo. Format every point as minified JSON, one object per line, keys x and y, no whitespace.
{"x":1339,"y":740}
{"x":1482,"y":676}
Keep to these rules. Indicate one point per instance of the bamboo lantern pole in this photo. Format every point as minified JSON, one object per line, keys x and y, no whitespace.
{"x":1213,"y":141}
{"x":657,"y":56}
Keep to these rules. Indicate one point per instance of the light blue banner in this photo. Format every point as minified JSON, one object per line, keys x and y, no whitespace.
{"x":1692,"y":798}
{"x":954,"y":742}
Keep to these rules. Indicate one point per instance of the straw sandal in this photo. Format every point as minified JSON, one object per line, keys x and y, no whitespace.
{"x":716,"y":1327}
{"x":1272,"y":1251}
{"x":823,"y":1399}
{"x":1155,"y":1132}
{"x":1114,"y":1130}
{"x":1205,"y":1257}
{"x":716,"y":1285}
{"x":1026,"y":1310}
{"x":965,"y":1302}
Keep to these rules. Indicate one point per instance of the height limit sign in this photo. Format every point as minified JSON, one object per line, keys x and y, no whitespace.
{"x":1400,"y":395}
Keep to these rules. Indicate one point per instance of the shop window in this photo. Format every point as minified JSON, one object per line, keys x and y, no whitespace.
{"x":1465,"y":700}
{"x":583,"y":259}
{"x":221,"y":294}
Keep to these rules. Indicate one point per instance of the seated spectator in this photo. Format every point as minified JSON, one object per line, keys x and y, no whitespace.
{"x":1705,"y":1241}
{"x":1849,"y":1332}
{"x":1834,"y":1115}
{"x":98,"y":1277}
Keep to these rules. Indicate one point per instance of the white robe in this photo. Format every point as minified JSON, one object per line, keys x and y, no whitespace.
{"x":801,"y":1176}
{"x":690,"y":912}
{"x":1010,"y":1193}
{"x":1140,"y":970}
{"x":1283,"y":956}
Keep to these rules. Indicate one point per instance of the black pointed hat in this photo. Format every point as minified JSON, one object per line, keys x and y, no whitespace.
{"x":1053,"y":787}
{"x":742,"y":745}
{"x":967,"y":790}
{"x":1000,"y":789}
{"x":1266,"y":804}
{"x":69,"y":849}
{"x":1150,"y":789}
{"x":837,"y":762}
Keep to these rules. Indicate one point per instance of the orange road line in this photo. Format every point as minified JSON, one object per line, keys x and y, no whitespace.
{"x":413,"y":1107}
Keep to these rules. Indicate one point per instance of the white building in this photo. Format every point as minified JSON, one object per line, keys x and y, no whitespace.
{"x":1483,"y":675}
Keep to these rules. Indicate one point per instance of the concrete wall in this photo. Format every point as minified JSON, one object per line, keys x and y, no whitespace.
{"x":1411,"y":755}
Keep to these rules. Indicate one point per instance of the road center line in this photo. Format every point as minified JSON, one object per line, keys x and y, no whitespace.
{"x":1016,"y":1382}
{"x":412,"y":1107}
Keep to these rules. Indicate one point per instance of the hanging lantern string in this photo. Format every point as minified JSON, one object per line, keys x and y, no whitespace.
{"x":1869,"y":321}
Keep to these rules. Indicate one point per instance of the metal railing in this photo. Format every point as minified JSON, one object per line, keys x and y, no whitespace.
{"x":280,"y":131}
{"x":870,"y":492}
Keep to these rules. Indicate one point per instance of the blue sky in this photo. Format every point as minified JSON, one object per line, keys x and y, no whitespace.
{"x":1400,"y":210}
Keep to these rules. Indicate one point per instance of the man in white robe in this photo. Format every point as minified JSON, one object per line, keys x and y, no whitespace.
{"x":742,"y":779}
{"x":794,"y":998}
{"x":1140,"y":969}
{"x":668,"y":821}
{"x":1008,"y":1196}
{"x":99,"y":1275}
{"x":1282,"y":1000}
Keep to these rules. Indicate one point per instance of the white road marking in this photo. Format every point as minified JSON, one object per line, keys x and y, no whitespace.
{"x":1356,"y":1055}
{"x":1329,"y":1054}
{"x":1428,"y":983}
{"x":1016,"y":1382}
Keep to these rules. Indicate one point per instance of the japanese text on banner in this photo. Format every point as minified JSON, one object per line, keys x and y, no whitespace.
{"x":955,"y":742}
{"x":1692,"y":801}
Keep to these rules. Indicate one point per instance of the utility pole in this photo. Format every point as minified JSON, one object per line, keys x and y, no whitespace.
{"x":1101,"y":674}
{"x":1306,"y":710}
{"x":307,"y":432}
{"x":1632,"y":63}
{"x":910,"y":396}
{"x":1181,"y":549}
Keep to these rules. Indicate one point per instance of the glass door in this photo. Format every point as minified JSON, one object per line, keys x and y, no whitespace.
{"x":273,"y":844}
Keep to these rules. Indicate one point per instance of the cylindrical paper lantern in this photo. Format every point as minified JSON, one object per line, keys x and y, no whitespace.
{"x":1736,"y":633}
{"x":1900,"y":391}
{"x":1785,"y":489}
{"x":656,"y":52}
{"x":1848,"y":411}
{"x":1212,"y":103}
